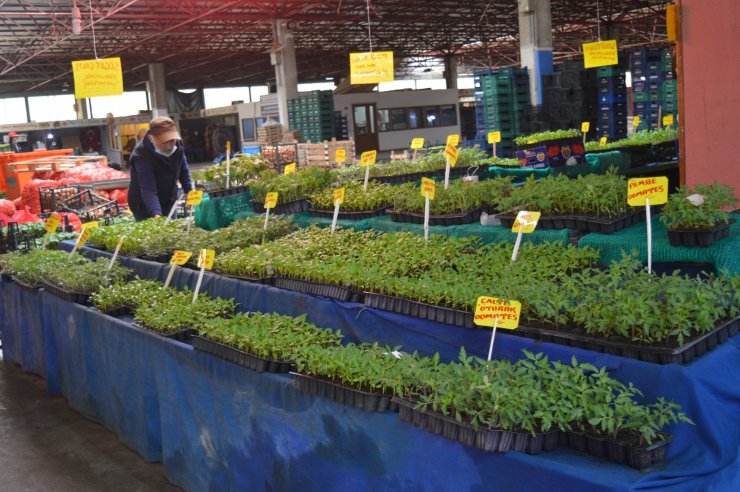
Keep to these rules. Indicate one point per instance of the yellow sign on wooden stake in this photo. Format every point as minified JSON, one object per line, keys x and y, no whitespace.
{"x":490,"y":310}
{"x":428,"y":186}
{"x":654,"y":188}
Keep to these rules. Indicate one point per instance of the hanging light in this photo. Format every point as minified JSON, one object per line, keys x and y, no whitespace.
{"x":76,"y":19}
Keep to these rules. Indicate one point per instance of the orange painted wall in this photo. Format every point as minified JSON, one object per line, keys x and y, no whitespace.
{"x":711,"y":91}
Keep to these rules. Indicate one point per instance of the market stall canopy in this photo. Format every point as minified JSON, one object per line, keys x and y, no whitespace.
{"x":217,"y":43}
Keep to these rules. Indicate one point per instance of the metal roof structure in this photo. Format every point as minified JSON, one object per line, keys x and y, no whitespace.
{"x":221,"y":43}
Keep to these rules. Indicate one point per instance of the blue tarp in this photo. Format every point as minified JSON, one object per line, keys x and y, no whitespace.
{"x":218,"y":426}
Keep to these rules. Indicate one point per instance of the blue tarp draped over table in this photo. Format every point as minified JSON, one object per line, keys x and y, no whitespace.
{"x":218,"y":426}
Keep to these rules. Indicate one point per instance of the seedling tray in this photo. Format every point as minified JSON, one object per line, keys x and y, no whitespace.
{"x":421,"y":310}
{"x":222,"y":192}
{"x":371,"y":402}
{"x":403,"y":178}
{"x":67,"y":295}
{"x":700,"y":238}
{"x":294,"y":207}
{"x":254,"y":280}
{"x":156,"y":258}
{"x":437,"y":220}
{"x":616,"y":452}
{"x":609,"y":226}
{"x":318,"y":289}
{"x":33,"y":289}
{"x":348,"y":215}
{"x":240,"y":357}
{"x":6,"y":277}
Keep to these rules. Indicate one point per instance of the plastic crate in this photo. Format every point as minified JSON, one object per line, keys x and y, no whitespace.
{"x":88,"y":206}
{"x":51,"y":197}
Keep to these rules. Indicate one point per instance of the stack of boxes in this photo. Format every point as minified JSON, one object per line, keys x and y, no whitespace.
{"x":612,"y":100}
{"x":313,"y":115}
{"x":500,"y":97}
{"x":569,"y":98}
{"x":655,"y":90}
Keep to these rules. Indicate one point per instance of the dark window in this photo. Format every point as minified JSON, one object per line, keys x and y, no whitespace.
{"x":449,"y":115}
{"x":248,"y":128}
{"x":384,"y":120}
{"x":415,"y":118}
{"x":432,"y":117}
{"x":398,"y":119}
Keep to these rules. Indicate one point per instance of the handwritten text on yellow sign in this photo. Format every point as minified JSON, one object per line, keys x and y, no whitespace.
{"x":95,"y":78}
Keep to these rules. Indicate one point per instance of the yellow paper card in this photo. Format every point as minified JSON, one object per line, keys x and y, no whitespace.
{"x":52,"y":223}
{"x":600,"y":54}
{"x":655,"y":189}
{"x":94,"y":78}
{"x":501,"y":311}
{"x":428,"y":186}
{"x":635,"y":122}
{"x":602,"y":142}
{"x":340,"y":155}
{"x":271,"y":199}
{"x":206,"y":258}
{"x":452,"y":153}
{"x":180,"y":257}
{"x":585,"y":126}
{"x":194,"y":197}
{"x":371,"y":67}
{"x":417,"y":143}
{"x":494,"y":137}
{"x":339,"y":196}
{"x":85,"y":233}
{"x":367,"y":158}
{"x":290,"y":168}
{"x":668,"y":120}
{"x":453,"y":139}
{"x":527,"y":221}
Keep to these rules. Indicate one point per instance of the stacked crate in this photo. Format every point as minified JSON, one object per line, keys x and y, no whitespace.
{"x":313,"y":115}
{"x":500,"y":97}
{"x":612,"y":101}
{"x":569,"y":97}
{"x":655,"y":89}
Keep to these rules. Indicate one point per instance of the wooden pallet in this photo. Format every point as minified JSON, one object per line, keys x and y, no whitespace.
{"x":322,"y":154}
{"x":55,"y":163}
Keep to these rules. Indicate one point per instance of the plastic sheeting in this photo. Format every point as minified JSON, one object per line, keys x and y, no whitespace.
{"x":218,"y":426}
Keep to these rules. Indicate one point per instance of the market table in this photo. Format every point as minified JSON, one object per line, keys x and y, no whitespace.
{"x":223,"y":427}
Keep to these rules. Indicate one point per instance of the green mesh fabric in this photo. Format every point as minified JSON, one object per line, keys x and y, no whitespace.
{"x":724,"y":254}
{"x":518,"y":173}
{"x":305,"y":219}
{"x":219,"y":212}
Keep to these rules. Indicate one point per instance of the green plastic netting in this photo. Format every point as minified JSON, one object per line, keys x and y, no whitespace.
{"x":219,"y":212}
{"x":724,"y":254}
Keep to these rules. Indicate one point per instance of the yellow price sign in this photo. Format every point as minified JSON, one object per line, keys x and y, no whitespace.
{"x":452,"y":153}
{"x":290,"y":168}
{"x":635,"y":122}
{"x":428,"y":186}
{"x":205,"y":258}
{"x":417,"y":143}
{"x":527,"y":221}
{"x":600,"y":54}
{"x":340,"y":155}
{"x":494,"y":137}
{"x":502,"y":312}
{"x":655,"y":189}
{"x":228,"y":146}
{"x":271,"y":199}
{"x":339,"y":196}
{"x":85,"y":233}
{"x":453,"y":139}
{"x":180,"y":257}
{"x":668,"y":120}
{"x":195,"y":197}
{"x":585,"y":126}
{"x":602,"y":142}
{"x":367,"y":158}
{"x":52,"y":223}
{"x":371,"y":67}
{"x":98,"y":77}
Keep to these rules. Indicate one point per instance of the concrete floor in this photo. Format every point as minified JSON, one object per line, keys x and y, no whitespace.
{"x":45,"y":446}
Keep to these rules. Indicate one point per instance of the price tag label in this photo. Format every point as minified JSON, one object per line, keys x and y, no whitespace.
{"x":368,"y":158}
{"x":602,"y":142}
{"x":585,"y":126}
{"x":490,"y":310}
{"x":228,"y":146}
{"x":290,"y":168}
{"x":271,"y":199}
{"x":339,"y":196}
{"x":86,"y":232}
{"x":527,"y":221}
{"x":635,"y":122}
{"x":668,"y":120}
{"x":494,"y":137}
{"x":453,"y":139}
{"x":180,"y":257}
{"x":655,"y":189}
{"x":194,"y":197}
{"x":206,"y":258}
{"x":340,"y":155}
{"x":427,"y":188}
{"x":452,"y":153}
{"x":52,"y":223}
{"x":417,"y":143}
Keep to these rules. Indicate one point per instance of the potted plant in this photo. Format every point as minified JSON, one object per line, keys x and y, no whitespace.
{"x":358,"y":203}
{"x":697,"y":216}
{"x":75,"y":280}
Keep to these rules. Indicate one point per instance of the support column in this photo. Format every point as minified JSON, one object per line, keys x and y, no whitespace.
{"x":81,"y":109}
{"x":157,"y":91}
{"x":451,"y":71}
{"x":535,"y":43}
{"x":282,"y":57}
